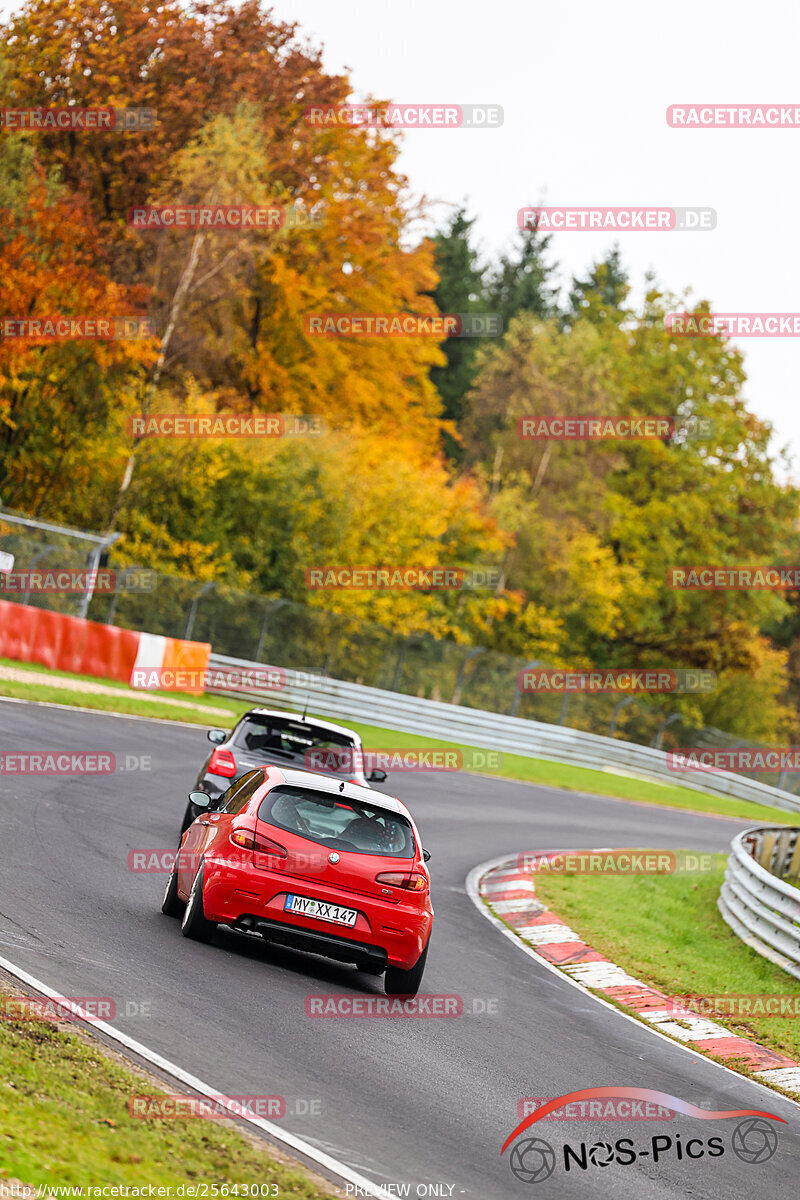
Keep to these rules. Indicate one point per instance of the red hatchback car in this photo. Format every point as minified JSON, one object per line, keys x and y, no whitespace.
{"x":310,"y":862}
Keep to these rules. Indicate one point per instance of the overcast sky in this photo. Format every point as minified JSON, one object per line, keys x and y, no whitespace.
{"x":585,"y":87}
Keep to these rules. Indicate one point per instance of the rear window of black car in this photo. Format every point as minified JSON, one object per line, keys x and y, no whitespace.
{"x":299,"y":743}
{"x":334,"y":820}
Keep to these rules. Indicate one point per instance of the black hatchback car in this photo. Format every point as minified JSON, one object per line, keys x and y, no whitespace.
{"x":283,"y":739}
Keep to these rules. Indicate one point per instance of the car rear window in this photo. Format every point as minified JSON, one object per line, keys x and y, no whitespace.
{"x":296,"y":742}
{"x":338,"y":822}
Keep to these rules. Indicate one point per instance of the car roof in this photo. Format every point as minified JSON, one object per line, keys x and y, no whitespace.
{"x":351,"y":791}
{"x":291,"y":716}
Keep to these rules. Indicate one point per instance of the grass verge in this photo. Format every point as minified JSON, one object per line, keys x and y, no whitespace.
{"x":667,"y":931}
{"x":62,"y":688}
{"x":64,"y":1120}
{"x":510,"y":766}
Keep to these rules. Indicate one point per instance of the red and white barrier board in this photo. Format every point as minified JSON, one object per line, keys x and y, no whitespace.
{"x":87,"y":648}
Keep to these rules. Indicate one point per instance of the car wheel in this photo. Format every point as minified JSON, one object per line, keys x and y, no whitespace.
{"x":406,"y":983}
{"x":172,"y":905}
{"x":194,"y":924}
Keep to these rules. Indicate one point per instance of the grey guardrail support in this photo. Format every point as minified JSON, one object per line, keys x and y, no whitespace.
{"x":436,"y":719}
{"x":759,"y":906}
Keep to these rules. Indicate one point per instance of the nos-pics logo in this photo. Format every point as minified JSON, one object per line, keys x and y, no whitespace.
{"x":532,"y":1159}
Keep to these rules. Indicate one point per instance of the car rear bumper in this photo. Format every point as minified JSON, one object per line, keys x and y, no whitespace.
{"x":316,"y":942}
{"x":392,"y":934}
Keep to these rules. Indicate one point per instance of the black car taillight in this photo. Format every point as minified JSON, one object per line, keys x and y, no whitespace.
{"x":222,"y":762}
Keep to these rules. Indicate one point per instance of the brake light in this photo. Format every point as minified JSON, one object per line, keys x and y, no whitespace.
{"x":254,"y":841}
{"x":222,"y":762}
{"x":411,"y":881}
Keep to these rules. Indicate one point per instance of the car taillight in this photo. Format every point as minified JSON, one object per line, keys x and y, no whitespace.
{"x":222,"y":762}
{"x":254,"y":841}
{"x":412,"y":881}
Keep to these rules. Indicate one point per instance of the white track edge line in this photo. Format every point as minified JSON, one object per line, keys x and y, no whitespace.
{"x":281,"y":1135}
{"x":471,"y":884}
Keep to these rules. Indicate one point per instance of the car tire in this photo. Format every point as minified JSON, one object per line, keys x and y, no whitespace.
{"x":194,"y":924}
{"x":172,"y":905}
{"x":406,"y":983}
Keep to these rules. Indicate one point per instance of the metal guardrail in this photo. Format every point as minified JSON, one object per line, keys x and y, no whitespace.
{"x":756,"y":902}
{"x":339,"y":699}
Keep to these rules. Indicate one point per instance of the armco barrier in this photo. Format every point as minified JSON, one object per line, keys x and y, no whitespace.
{"x":493,"y":731}
{"x":762,"y":909}
{"x":64,"y":643}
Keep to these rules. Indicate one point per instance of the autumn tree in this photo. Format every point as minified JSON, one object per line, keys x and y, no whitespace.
{"x":197,"y":64}
{"x":598,"y":524}
{"x":55,"y":394}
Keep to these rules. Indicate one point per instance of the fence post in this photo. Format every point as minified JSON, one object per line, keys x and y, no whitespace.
{"x":537,"y":662}
{"x":659,"y":738}
{"x":618,"y":707}
{"x":271,"y":608}
{"x":187,"y":636}
{"x":458,"y":689}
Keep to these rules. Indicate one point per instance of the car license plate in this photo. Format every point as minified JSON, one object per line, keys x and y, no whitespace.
{"x":306,"y":907}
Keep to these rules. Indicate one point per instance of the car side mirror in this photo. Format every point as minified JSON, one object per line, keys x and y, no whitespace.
{"x":217,"y":736}
{"x":426,"y":854}
{"x":200,"y":799}
{"x":376,"y":776}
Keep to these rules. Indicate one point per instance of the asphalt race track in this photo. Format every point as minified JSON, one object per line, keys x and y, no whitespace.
{"x":418,"y":1101}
